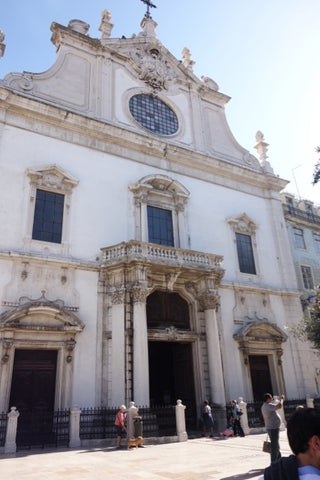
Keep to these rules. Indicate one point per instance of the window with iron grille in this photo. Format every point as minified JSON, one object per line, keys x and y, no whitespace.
{"x":48,"y":217}
{"x":307,"y":277}
{"x":160,"y":227}
{"x":245,"y":253}
{"x":153,"y":114}
{"x":298,"y":238}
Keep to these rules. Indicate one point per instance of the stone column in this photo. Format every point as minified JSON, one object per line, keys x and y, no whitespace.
{"x":181,"y":422}
{"x":118,"y":348}
{"x":209,"y":303}
{"x":10,"y":445}
{"x":140,"y":348}
{"x":75,"y":427}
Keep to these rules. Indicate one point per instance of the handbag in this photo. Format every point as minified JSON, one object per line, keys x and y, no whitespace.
{"x":266,"y":447}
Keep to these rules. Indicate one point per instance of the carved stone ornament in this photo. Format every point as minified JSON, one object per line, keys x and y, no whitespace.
{"x":139,"y":294}
{"x":172,"y":333}
{"x":155,"y":70}
{"x":118,"y":297}
{"x":209,"y":301}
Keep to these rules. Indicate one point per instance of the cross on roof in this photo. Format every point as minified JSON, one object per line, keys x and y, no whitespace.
{"x":149,"y":5}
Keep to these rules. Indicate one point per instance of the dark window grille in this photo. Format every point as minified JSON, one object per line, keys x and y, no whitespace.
{"x":48,"y":217}
{"x":245,"y":253}
{"x":153,"y":114}
{"x":307,"y":277}
{"x":3,"y":428}
{"x":160,"y":228}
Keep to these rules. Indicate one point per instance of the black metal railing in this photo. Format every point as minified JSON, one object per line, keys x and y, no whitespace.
{"x":290,"y":405}
{"x":306,"y":216}
{"x":40,"y":429}
{"x":97,"y":423}
{"x":158,"y":421}
{"x":3,"y":427}
{"x":255,"y":419}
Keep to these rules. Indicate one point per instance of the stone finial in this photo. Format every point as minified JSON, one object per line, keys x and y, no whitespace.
{"x":105,"y":26}
{"x":148,"y":26}
{"x":79,"y":26}
{"x":2,"y":45}
{"x":262,"y":149}
{"x":186,"y":56}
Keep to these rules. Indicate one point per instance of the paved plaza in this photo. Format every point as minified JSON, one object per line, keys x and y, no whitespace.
{"x":197,"y":459}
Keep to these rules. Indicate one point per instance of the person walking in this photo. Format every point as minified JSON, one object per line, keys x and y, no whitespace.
{"x":207,"y":418}
{"x":303,"y":432}
{"x":120,"y":424}
{"x":236,"y":413}
{"x":272,"y":421}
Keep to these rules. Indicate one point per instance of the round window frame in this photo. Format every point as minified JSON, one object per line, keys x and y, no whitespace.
{"x":164,"y":105}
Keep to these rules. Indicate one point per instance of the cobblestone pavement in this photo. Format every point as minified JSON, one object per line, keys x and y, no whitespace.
{"x":197,"y":459}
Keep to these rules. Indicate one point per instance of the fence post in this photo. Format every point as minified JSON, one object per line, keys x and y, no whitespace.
{"x":309,"y":402}
{"x":181,"y":422}
{"x":281,"y":413}
{"x":132,"y":412}
{"x":244,"y":417}
{"x":10,"y":445}
{"x":74,"y":431}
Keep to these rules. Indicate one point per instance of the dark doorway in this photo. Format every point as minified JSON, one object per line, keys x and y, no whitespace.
{"x":260,"y":376}
{"x":32,"y":392}
{"x":171,"y":376}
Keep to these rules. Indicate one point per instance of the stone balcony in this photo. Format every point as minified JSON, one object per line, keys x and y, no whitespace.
{"x":161,"y":258}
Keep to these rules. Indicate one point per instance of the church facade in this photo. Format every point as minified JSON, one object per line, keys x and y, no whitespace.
{"x":144,"y":254}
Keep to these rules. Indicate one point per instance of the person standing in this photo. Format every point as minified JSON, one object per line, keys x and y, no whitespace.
{"x":303,"y":431}
{"x":236,"y":413}
{"x":207,"y":418}
{"x":120,"y":424}
{"x":272,"y":421}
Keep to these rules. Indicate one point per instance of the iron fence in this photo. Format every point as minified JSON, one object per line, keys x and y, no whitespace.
{"x":97,"y":423}
{"x":290,"y":405}
{"x":159,"y":421}
{"x":40,"y":429}
{"x":3,"y":428}
{"x":255,"y":419}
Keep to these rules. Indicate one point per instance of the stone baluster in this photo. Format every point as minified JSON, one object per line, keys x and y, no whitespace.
{"x":75,"y":441}
{"x":181,"y":421}
{"x":10,"y":444}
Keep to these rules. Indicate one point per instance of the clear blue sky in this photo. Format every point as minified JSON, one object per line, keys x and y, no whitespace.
{"x":264,"y":54}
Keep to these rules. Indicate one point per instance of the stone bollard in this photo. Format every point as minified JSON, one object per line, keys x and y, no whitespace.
{"x":281,"y":413}
{"x":181,"y":422}
{"x":10,"y":445}
{"x":74,"y":430}
{"x":310,"y":402}
{"x":132,"y":412}
{"x":244,"y":417}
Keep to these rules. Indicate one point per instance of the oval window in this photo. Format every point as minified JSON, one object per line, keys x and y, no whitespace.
{"x":153,"y":114}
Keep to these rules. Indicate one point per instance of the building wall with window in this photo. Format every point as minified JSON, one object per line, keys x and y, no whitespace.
{"x":303,"y":225}
{"x":141,"y":245}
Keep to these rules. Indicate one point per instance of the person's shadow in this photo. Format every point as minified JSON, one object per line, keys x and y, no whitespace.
{"x":245,"y":476}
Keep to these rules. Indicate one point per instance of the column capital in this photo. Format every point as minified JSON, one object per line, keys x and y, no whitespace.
{"x":118,"y":296}
{"x":209,"y":301}
{"x":139,"y":294}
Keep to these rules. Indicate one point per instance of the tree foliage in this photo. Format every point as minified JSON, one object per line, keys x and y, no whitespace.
{"x":309,"y":327}
{"x":316,"y":173}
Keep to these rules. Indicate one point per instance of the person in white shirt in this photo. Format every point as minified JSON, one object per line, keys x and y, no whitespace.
{"x":303,"y":431}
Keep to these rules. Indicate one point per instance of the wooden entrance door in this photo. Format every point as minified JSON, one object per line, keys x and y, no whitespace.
{"x":32,"y":392}
{"x":171,"y":376}
{"x":260,"y":376}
